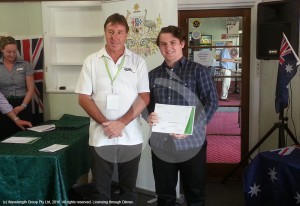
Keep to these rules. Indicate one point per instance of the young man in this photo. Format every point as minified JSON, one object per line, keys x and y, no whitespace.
{"x":6,"y":108}
{"x":227,"y":64}
{"x":179,"y":81}
{"x":113,"y":89}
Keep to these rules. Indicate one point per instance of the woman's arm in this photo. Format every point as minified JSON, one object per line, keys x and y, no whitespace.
{"x":28,"y":96}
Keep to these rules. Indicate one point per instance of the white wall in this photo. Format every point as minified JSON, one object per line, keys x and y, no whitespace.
{"x":21,"y":18}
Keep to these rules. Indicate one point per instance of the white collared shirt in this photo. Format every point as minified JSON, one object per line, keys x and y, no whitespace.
{"x":132,"y":79}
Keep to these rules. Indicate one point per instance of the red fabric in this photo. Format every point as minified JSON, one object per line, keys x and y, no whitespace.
{"x":223,"y":149}
{"x":224,"y":123}
{"x":223,"y":137}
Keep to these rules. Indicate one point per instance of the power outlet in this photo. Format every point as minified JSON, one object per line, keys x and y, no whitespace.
{"x":258,"y":68}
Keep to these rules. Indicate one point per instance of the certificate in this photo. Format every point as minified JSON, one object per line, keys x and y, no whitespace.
{"x":174,"y":119}
{"x":53,"y":148}
{"x":21,"y":140}
{"x":43,"y":128}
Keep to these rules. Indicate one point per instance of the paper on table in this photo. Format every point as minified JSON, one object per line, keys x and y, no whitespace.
{"x":21,"y":140}
{"x":53,"y":148}
{"x":174,"y":119}
{"x":43,"y":128}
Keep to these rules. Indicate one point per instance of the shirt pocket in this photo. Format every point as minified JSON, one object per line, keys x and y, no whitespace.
{"x":20,"y":75}
{"x":159,"y":92}
{"x":20,"y":70}
{"x":185,"y":92}
{"x":189,"y":84}
{"x":189,"y":81}
{"x":183,"y":85}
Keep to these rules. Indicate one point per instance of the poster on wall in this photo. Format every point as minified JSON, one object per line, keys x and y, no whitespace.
{"x":204,"y":57}
{"x":145,"y":20}
{"x":206,"y":40}
{"x":232,"y":29}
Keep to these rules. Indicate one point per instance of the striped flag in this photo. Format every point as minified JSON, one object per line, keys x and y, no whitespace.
{"x":285,"y":150}
{"x":31,"y":50}
{"x":288,"y":63}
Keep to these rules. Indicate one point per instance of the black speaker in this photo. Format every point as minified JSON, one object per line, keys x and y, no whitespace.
{"x":273,"y":19}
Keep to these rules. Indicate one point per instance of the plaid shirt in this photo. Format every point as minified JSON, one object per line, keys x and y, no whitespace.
{"x":188,"y":83}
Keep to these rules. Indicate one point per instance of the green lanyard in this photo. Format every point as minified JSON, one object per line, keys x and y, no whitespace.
{"x":116,"y":75}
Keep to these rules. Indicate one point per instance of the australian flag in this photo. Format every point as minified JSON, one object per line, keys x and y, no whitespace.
{"x":288,"y":63}
{"x":272,"y":178}
{"x":31,"y":50}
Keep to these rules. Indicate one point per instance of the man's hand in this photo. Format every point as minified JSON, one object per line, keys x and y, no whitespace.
{"x":179,"y":136}
{"x":22,"y":124}
{"x":153,"y":119}
{"x":113,"y":129}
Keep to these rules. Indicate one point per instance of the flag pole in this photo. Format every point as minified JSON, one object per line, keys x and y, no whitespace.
{"x":296,"y":56}
{"x":281,"y":139}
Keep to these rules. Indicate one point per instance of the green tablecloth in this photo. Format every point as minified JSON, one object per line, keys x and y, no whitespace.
{"x":26,"y":174}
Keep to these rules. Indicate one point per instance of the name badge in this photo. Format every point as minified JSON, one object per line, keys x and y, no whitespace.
{"x":112,"y":101}
{"x":20,"y":69}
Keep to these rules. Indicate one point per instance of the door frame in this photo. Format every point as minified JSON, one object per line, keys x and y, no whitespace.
{"x":220,"y":170}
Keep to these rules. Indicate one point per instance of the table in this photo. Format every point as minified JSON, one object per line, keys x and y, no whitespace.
{"x":273,"y":178}
{"x":217,"y":75}
{"x":26,"y":174}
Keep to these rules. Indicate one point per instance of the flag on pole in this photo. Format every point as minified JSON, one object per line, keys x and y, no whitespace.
{"x":287,"y":68}
{"x":31,"y":50}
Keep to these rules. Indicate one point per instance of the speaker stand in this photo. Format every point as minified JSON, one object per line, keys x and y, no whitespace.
{"x":282,"y":126}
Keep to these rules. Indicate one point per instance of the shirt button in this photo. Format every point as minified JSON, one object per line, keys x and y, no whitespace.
{"x":169,"y":97}
{"x":169,"y":87}
{"x":170,"y":77}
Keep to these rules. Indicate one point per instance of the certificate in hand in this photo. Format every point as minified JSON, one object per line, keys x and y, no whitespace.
{"x":174,"y":119}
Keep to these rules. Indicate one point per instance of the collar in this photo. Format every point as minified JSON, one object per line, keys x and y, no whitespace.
{"x":103,"y":53}
{"x":180,"y":62}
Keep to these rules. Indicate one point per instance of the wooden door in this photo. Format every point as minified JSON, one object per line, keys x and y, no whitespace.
{"x":207,"y":31}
